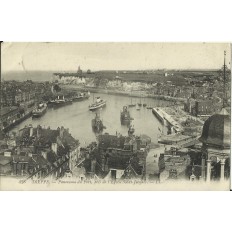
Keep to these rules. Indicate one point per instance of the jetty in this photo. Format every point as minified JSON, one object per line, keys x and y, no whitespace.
{"x":166,"y":119}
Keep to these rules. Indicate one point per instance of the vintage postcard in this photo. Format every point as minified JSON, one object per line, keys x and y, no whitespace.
{"x":115,"y":116}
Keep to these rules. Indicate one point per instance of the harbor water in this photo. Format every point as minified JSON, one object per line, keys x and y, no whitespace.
{"x":77,"y":118}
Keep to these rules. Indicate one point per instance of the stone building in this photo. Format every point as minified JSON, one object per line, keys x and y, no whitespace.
{"x":8,"y":115}
{"x":202,"y":107}
{"x":39,"y":153}
{"x":118,"y":157}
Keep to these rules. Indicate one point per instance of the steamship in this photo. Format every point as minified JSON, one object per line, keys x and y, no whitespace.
{"x":40,"y":110}
{"x":99,"y":103}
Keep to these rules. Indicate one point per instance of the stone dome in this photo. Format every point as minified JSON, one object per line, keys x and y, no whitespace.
{"x":216,"y":131}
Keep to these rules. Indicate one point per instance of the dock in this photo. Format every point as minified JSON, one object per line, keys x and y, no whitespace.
{"x":165,"y":118}
{"x":178,"y":140}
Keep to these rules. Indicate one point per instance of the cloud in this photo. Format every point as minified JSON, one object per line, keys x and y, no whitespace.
{"x":103,"y":56}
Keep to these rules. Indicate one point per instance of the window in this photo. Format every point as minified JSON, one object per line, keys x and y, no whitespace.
{"x":113,"y":174}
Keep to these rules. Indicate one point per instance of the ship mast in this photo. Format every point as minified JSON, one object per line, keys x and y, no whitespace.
{"x":0,"y":79}
{"x":224,"y":80}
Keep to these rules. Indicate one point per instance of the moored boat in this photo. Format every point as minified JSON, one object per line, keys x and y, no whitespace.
{"x":131,"y":130}
{"x":131,"y":104}
{"x":81,"y":96}
{"x":40,"y":110}
{"x":97,"y":124}
{"x":99,"y":103}
{"x":140,"y":103}
{"x":125,"y":114}
{"x":60,"y":101}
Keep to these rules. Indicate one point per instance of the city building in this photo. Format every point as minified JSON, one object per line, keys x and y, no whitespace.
{"x":39,"y":153}
{"x":8,"y":115}
{"x":118,"y":157}
{"x":202,"y":107}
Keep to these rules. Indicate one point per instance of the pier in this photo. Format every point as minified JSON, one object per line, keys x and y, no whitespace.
{"x":166,"y":119}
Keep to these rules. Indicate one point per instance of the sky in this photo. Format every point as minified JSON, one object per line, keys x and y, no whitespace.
{"x":112,"y":56}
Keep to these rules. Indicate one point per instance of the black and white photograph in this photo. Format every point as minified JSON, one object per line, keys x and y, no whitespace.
{"x":115,"y":116}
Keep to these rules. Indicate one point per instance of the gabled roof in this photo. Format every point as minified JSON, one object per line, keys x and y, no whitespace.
{"x":117,"y":162}
{"x":6,"y":110}
{"x":47,"y":136}
{"x":111,"y":141}
{"x":68,"y":139}
{"x":40,"y":160}
{"x":5,"y":160}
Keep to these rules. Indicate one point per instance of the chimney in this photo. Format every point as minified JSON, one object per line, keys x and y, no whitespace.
{"x":87,"y":155}
{"x":31,"y":131}
{"x":106,"y":169}
{"x":54,"y":147}
{"x":38,"y":130}
{"x":93,"y":165}
{"x":103,"y":164}
{"x":44,"y":154}
{"x":61,"y":132}
{"x":18,"y":150}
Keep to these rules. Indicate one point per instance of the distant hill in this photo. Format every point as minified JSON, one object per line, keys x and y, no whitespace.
{"x":30,"y":75}
{"x":146,"y":76}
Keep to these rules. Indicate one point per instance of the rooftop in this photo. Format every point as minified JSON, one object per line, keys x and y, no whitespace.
{"x":8,"y":109}
{"x":216,"y":130}
{"x":5,"y":160}
{"x":48,"y":136}
{"x":111,"y":141}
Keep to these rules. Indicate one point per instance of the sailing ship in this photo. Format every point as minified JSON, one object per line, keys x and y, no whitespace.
{"x":131,"y":104}
{"x":40,"y":110}
{"x":99,"y":103}
{"x":137,"y":107}
{"x":140,"y":103}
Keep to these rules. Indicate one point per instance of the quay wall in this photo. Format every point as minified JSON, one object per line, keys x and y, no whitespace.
{"x":158,"y":115}
{"x":120,"y":92}
{"x":163,"y":117}
{"x":17,"y":122}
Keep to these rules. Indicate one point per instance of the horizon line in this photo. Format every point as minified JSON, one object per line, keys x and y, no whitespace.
{"x":101,"y":70}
